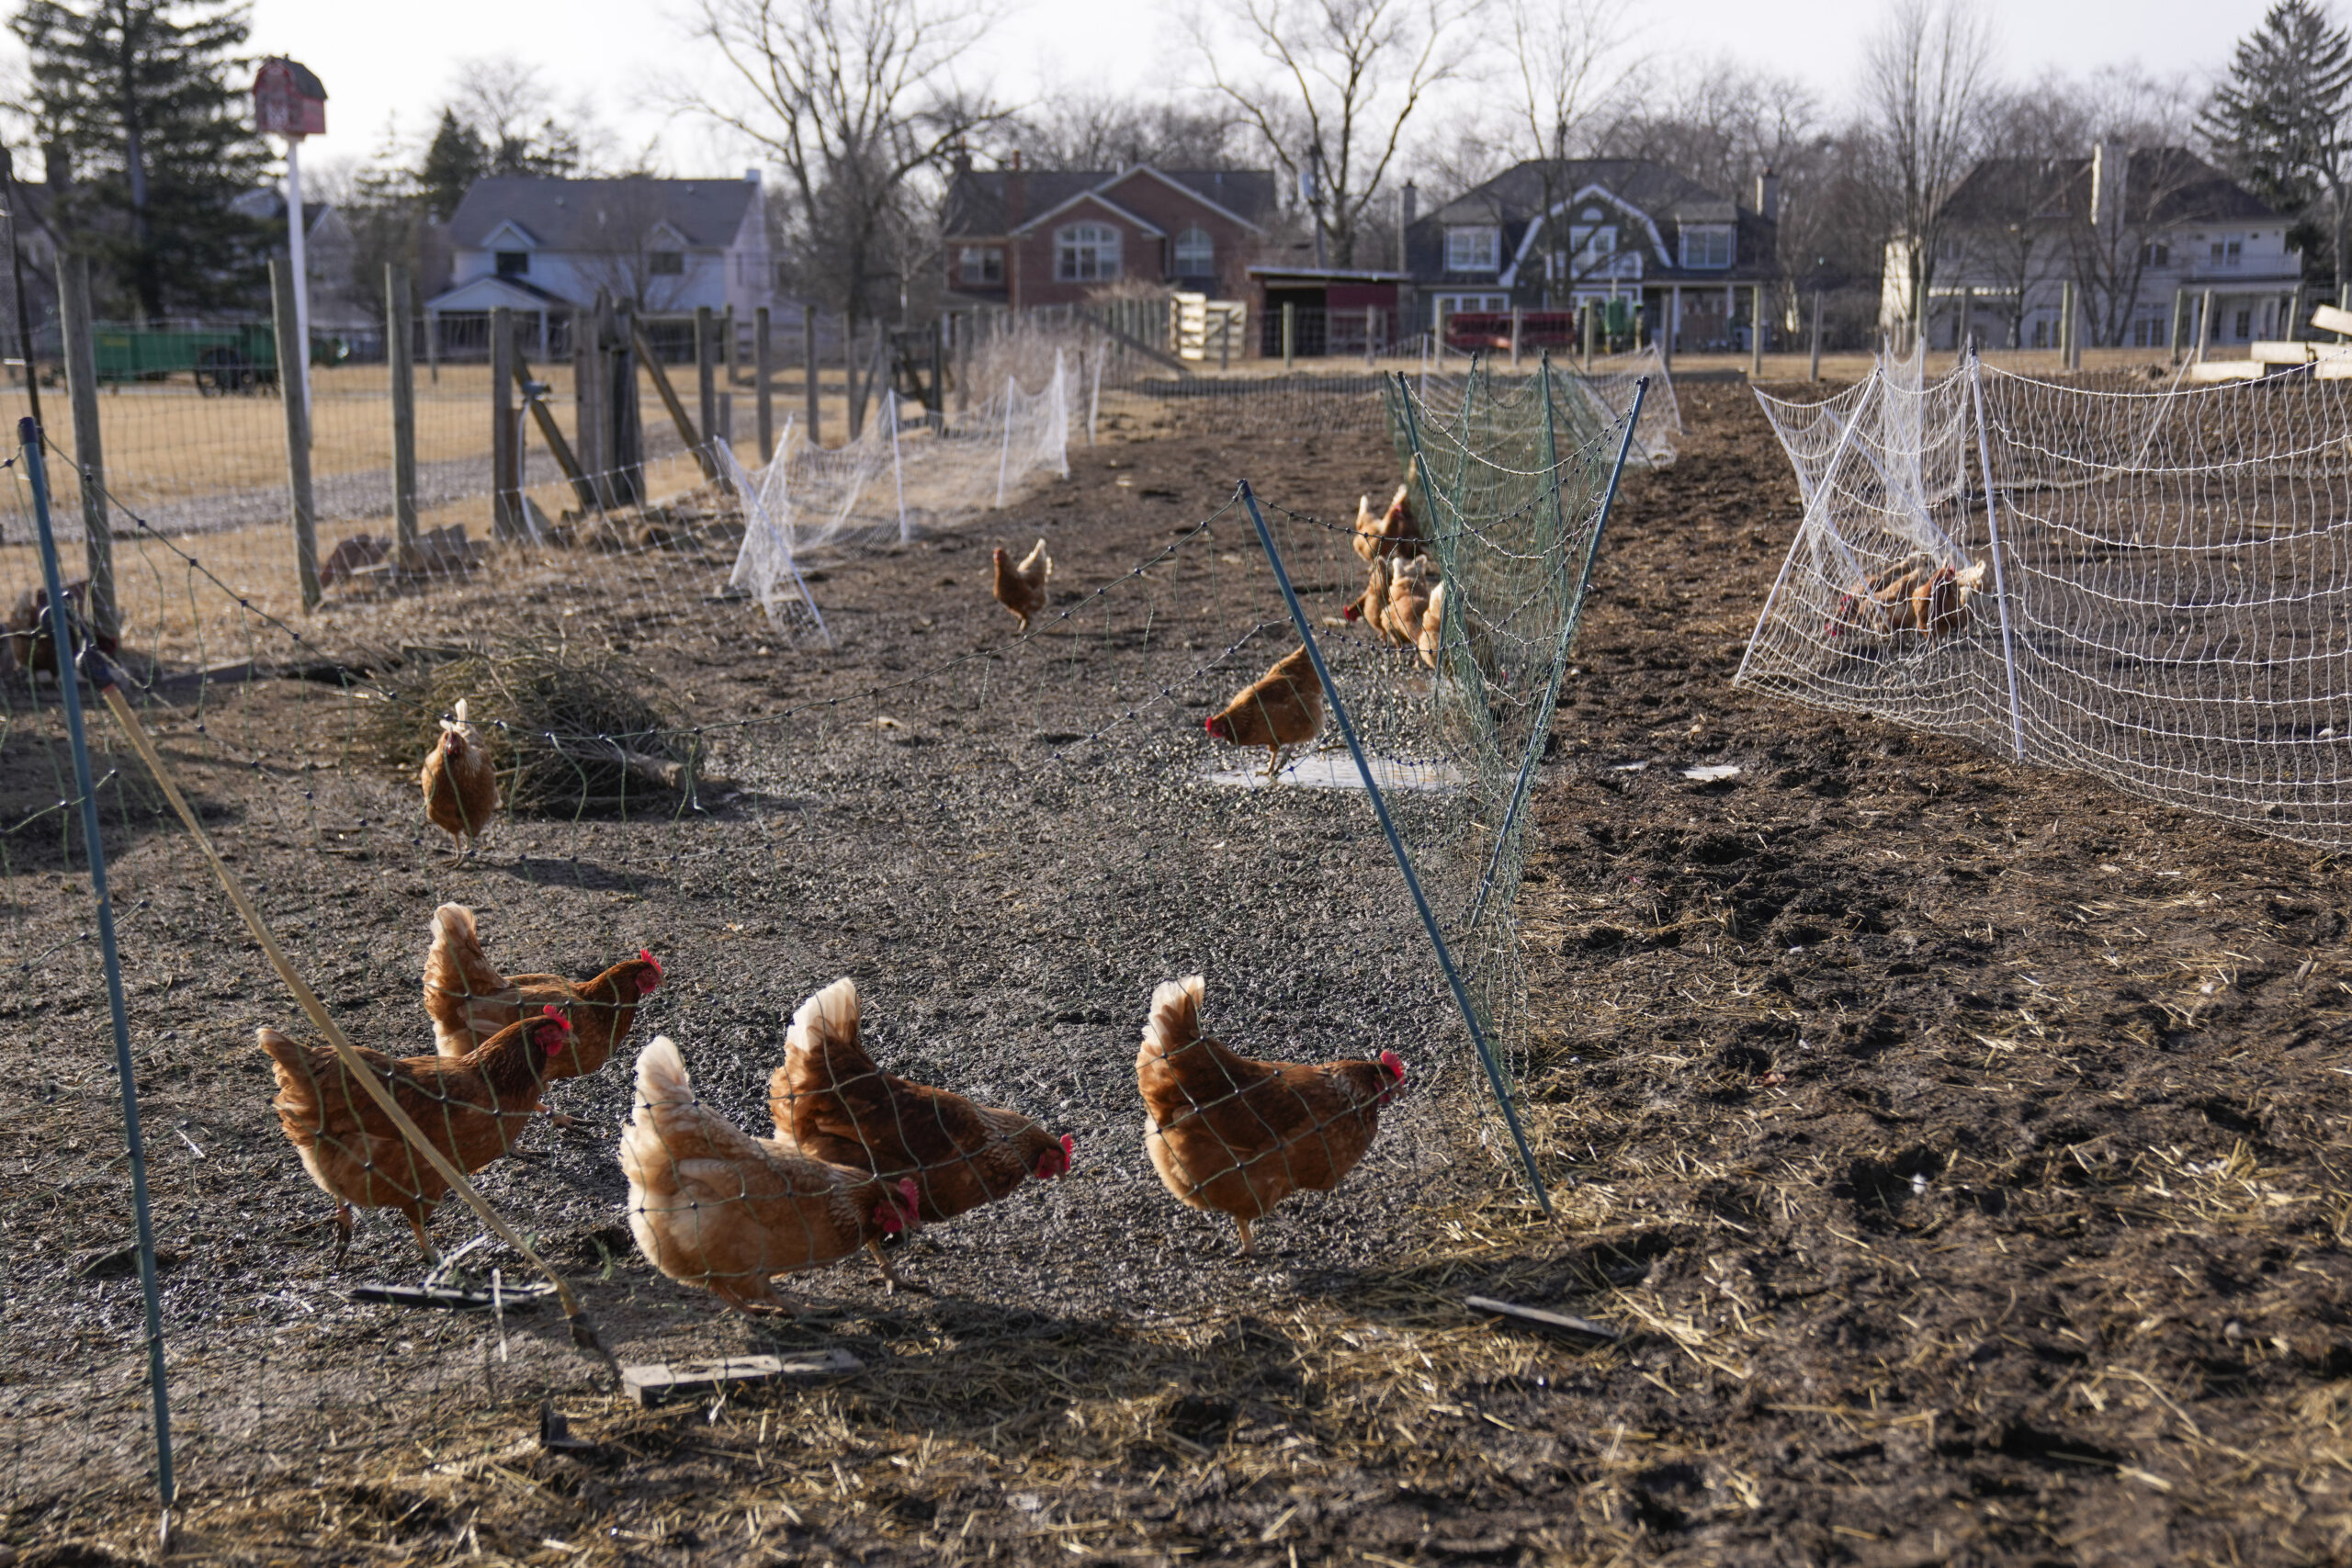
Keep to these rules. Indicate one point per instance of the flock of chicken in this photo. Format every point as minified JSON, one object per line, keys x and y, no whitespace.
{"x":857,"y":1154}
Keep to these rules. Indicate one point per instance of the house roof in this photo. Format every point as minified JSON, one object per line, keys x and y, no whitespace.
{"x":1094,"y":199}
{"x":601,"y":215}
{"x":1652,"y":187}
{"x":976,"y":197}
{"x":491,"y":292}
{"x":2162,"y":184}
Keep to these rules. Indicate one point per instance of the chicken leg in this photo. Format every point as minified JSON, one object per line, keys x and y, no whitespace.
{"x":1248,"y":1248}
{"x":341,"y":1233}
{"x":1274,"y":765}
{"x":890,"y":1275}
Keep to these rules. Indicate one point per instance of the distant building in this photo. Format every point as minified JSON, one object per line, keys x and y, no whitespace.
{"x":1552,"y":235}
{"x":2142,"y":235}
{"x":1027,"y":237}
{"x":329,"y":258}
{"x":543,"y":248}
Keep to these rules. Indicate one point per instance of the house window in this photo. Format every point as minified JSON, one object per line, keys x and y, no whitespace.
{"x":2245,"y":325}
{"x":667,"y":263}
{"x":1195,"y":254}
{"x":2155,"y":253}
{"x":1473,"y":250}
{"x":513,"y":263}
{"x":1451,"y":305}
{"x":1706,"y":247}
{"x":1086,"y":253}
{"x":2227,"y":251}
{"x":980,"y":264}
{"x":2042,"y":334}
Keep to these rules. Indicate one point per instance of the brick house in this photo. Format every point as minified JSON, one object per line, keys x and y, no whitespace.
{"x":1025,"y":237}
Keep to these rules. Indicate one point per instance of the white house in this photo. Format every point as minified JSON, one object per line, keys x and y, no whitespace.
{"x":2147,"y":237}
{"x":329,"y":253}
{"x":543,"y":248}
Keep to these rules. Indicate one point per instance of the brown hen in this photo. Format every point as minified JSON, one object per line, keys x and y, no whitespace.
{"x":1239,"y":1136}
{"x":472,"y":1108}
{"x":460,"y":789}
{"x":1280,"y":710}
{"x":830,"y":1100}
{"x":468,"y":1000}
{"x":1021,"y":588}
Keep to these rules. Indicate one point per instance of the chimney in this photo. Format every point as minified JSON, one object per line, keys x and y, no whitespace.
{"x":960,"y":160}
{"x":2110,"y":168}
{"x":1016,"y":194}
{"x":1768,"y":195}
{"x":751,"y":177}
{"x":1408,"y":205}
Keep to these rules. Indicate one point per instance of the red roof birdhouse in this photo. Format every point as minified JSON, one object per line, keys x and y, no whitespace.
{"x":288,"y":100}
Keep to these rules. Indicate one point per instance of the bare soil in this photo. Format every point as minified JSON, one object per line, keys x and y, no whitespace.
{"x":1958,"y":1150}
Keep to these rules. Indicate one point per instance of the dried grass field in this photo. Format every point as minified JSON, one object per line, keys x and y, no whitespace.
{"x":1959,"y":1151}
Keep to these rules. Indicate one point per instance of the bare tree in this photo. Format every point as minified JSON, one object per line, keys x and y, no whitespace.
{"x":1335,"y":83}
{"x":856,"y":99}
{"x":1075,"y":128}
{"x":1923,"y":79}
{"x":1569,"y":57}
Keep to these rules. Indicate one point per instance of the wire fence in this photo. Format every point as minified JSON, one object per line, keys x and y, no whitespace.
{"x":2145,"y":585}
{"x":1014,"y":848}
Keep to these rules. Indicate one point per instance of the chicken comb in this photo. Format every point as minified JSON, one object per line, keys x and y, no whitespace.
{"x":1069,"y":1145}
{"x":555,"y":1012}
{"x":1394,"y":1065}
{"x":645,"y":955}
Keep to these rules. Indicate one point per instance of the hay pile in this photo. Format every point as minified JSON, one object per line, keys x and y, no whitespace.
{"x":571,"y":729}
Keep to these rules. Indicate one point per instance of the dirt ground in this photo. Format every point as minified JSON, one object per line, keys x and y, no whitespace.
{"x":1957,"y":1150}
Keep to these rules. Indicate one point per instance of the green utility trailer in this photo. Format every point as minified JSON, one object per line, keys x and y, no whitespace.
{"x":220,"y":359}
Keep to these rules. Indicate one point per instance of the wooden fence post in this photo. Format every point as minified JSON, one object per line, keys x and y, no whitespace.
{"x":626,"y":455}
{"x":505,"y":503}
{"x":763,"y":370}
{"x":705,"y":377}
{"x":587,"y":413}
{"x":1755,"y":332}
{"x":89,"y":453}
{"x":1514,"y":337}
{"x":400,"y":347}
{"x":670,"y":400}
{"x":808,"y":374}
{"x":1290,"y":323}
{"x":849,"y":371}
{"x":297,"y":429}
{"x":1814,"y":373}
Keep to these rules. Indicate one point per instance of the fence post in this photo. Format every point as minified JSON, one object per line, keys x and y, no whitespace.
{"x":1756,"y":332}
{"x":17,"y":278}
{"x":587,"y":423}
{"x":1814,"y":373}
{"x":2000,"y":584}
{"x":762,"y":367}
{"x":705,"y":377}
{"x":433,"y":346}
{"x":1290,"y":323}
{"x":2204,"y":325}
{"x":937,"y":402}
{"x":89,"y":453}
{"x":506,"y":505}
{"x":808,"y":374}
{"x":298,"y":430}
{"x":849,"y":377}
{"x":627,"y":453}
{"x":399,"y":346}
{"x":1591,"y":327}
{"x":70,"y":694}
{"x":1514,"y":337}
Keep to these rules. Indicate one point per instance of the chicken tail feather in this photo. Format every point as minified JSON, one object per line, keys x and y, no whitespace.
{"x":830,"y":1018}
{"x":1175,"y":1014}
{"x":662,"y":1079}
{"x":283,"y":1049}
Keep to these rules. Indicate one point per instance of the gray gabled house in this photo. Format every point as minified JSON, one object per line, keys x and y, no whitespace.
{"x":1549,"y":234}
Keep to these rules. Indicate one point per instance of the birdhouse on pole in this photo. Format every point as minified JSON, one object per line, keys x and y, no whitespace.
{"x":288,"y":100}
{"x":291,"y":102}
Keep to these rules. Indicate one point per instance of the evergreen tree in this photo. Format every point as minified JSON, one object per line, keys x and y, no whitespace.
{"x":454,"y":160}
{"x":2278,"y":121}
{"x":143,"y":103}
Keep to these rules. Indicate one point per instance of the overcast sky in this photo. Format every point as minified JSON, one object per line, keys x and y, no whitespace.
{"x":379,"y":61}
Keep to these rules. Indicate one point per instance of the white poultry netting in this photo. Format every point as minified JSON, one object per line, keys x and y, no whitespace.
{"x":893,"y":481}
{"x":2158,"y":590}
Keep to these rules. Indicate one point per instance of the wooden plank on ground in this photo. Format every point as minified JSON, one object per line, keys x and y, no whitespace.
{"x":2283,"y":353}
{"x":1559,"y":1320}
{"x":2328,"y":319}
{"x":651,"y":1382}
{"x":2226,"y":370}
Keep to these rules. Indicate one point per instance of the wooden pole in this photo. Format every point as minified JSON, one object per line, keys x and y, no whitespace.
{"x":1591,"y":329}
{"x":16,"y":272}
{"x":399,"y":344}
{"x":2204,"y":325}
{"x":89,"y":455}
{"x":937,"y":402}
{"x":1814,"y":373}
{"x":1755,"y":332}
{"x":433,"y":346}
{"x":762,"y":373}
{"x":849,"y":377}
{"x":1967,"y":321}
{"x":1514,"y":336}
{"x":587,"y":420}
{"x":729,"y":356}
{"x":552,"y":434}
{"x":1290,"y":326}
{"x":669,"y":400}
{"x":298,"y":430}
{"x":505,"y":503}
{"x":706,"y":376}
{"x":809,"y":373}
{"x":2179,"y":308}
{"x":626,"y":455}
